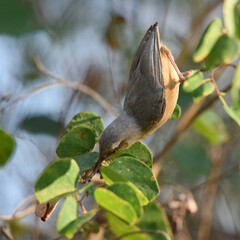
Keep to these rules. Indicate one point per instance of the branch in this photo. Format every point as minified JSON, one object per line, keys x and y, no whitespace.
{"x":58,"y":81}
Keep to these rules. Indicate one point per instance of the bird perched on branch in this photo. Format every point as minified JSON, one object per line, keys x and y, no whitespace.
{"x":151,"y":97}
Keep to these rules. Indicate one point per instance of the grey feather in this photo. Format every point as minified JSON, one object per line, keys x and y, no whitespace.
{"x":145,"y":85}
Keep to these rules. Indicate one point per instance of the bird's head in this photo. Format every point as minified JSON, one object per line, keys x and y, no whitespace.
{"x":120,"y":134}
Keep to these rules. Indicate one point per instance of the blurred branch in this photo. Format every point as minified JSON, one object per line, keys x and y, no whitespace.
{"x":80,"y":87}
{"x":20,"y":214}
{"x":218,"y":155}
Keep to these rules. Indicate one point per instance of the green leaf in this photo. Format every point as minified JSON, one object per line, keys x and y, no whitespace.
{"x":236,"y":85}
{"x":111,"y":176}
{"x":223,"y":52}
{"x":138,"y":150}
{"x":16,"y":17}
{"x":194,"y":80}
{"x":58,"y":179}
{"x":87,"y":160}
{"x":203,"y":91}
{"x":233,"y":114}
{"x":155,"y":218}
{"x":136,"y":172}
{"x":208,"y":40}
{"x":40,"y":124}
{"x":116,"y":205}
{"x":229,"y":17}
{"x":237,"y":20}
{"x":7,"y":146}
{"x":78,"y":140}
{"x":176,"y":112}
{"x":211,"y":126}
{"x":126,"y":192}
{"x":120,"y":228}
{"x":88,"y":120}
{"x":67,"y":214}
{"x":68,"y":223}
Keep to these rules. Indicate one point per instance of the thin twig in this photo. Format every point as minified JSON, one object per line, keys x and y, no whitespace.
{"x":24,"y":203}
{"x":58,"y":81}
{"x":19,"y":215}
{"x":81,"y":205}
{"x":145,"y":231}
{"x":214,"y":83}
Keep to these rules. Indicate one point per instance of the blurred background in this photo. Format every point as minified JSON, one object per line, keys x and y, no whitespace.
{"x":93,"y":43}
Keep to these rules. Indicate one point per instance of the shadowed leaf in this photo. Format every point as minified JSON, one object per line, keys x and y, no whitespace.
{"x":78,"y":140}
{"x":7,"y":145}
{"x":176,"y":113}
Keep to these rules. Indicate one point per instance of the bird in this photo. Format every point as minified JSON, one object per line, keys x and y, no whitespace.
{"x":151,"y":96}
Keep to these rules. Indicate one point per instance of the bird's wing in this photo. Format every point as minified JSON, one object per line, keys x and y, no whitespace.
{"x":145,"y":96}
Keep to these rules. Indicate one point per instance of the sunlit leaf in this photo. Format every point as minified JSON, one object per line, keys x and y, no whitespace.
{"x":211,"y":126}
{"x":116,"y":205}
{"x":208,"y":40}
{"x":68,"y":213}
{"x":68,"y":223}
{"x":78,"y":140}
{"x":176,"y":113}
{"x":223,"y":52}
{"x":155,"y":218}
{"x":138,"y":150}
{"x":120,"y":228}
{"x":229,"y":18}
{"x":88,"y":120}
{"x":7,"y":145}
{"x":236,"y":85}
{"x":137,"y":173}
{"x":233,"y":114}
{"x":194,"y":80}
{"x":58,"y":179}
{"x":203,"y":91}
{"x":111,"y":176}
{"x":237,"y":20}
{"x":126,"y":192}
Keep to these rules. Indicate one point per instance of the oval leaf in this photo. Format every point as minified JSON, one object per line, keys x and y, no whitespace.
{"x":233,"y":114}
{"x":77,"y":141}
{"x":138,"y":150}
{"x":88,"y":120}
{"x":176,"y":113}
{"x":111,"y":176}
{"x":194,"y":80}
{"x":126,"y":192}
{"x":223,"y":52}
{"x":237,"y":20}
{"x":87,"y":160}
{"x":155,"y":218}
{"x":203,"y":91}
{"x":68,"y":222}
{"x":229,"y":18}
{"x":208,"y":39}
{"x":236,"y":85}
{"x":116,"y":205}
{"x":7,"y":145}
{"x":67,"y":214}
{"x":211,"y":126}
{"x":138,"y":174}
{"x":58,"y":179}
{"x":120,"y":228}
